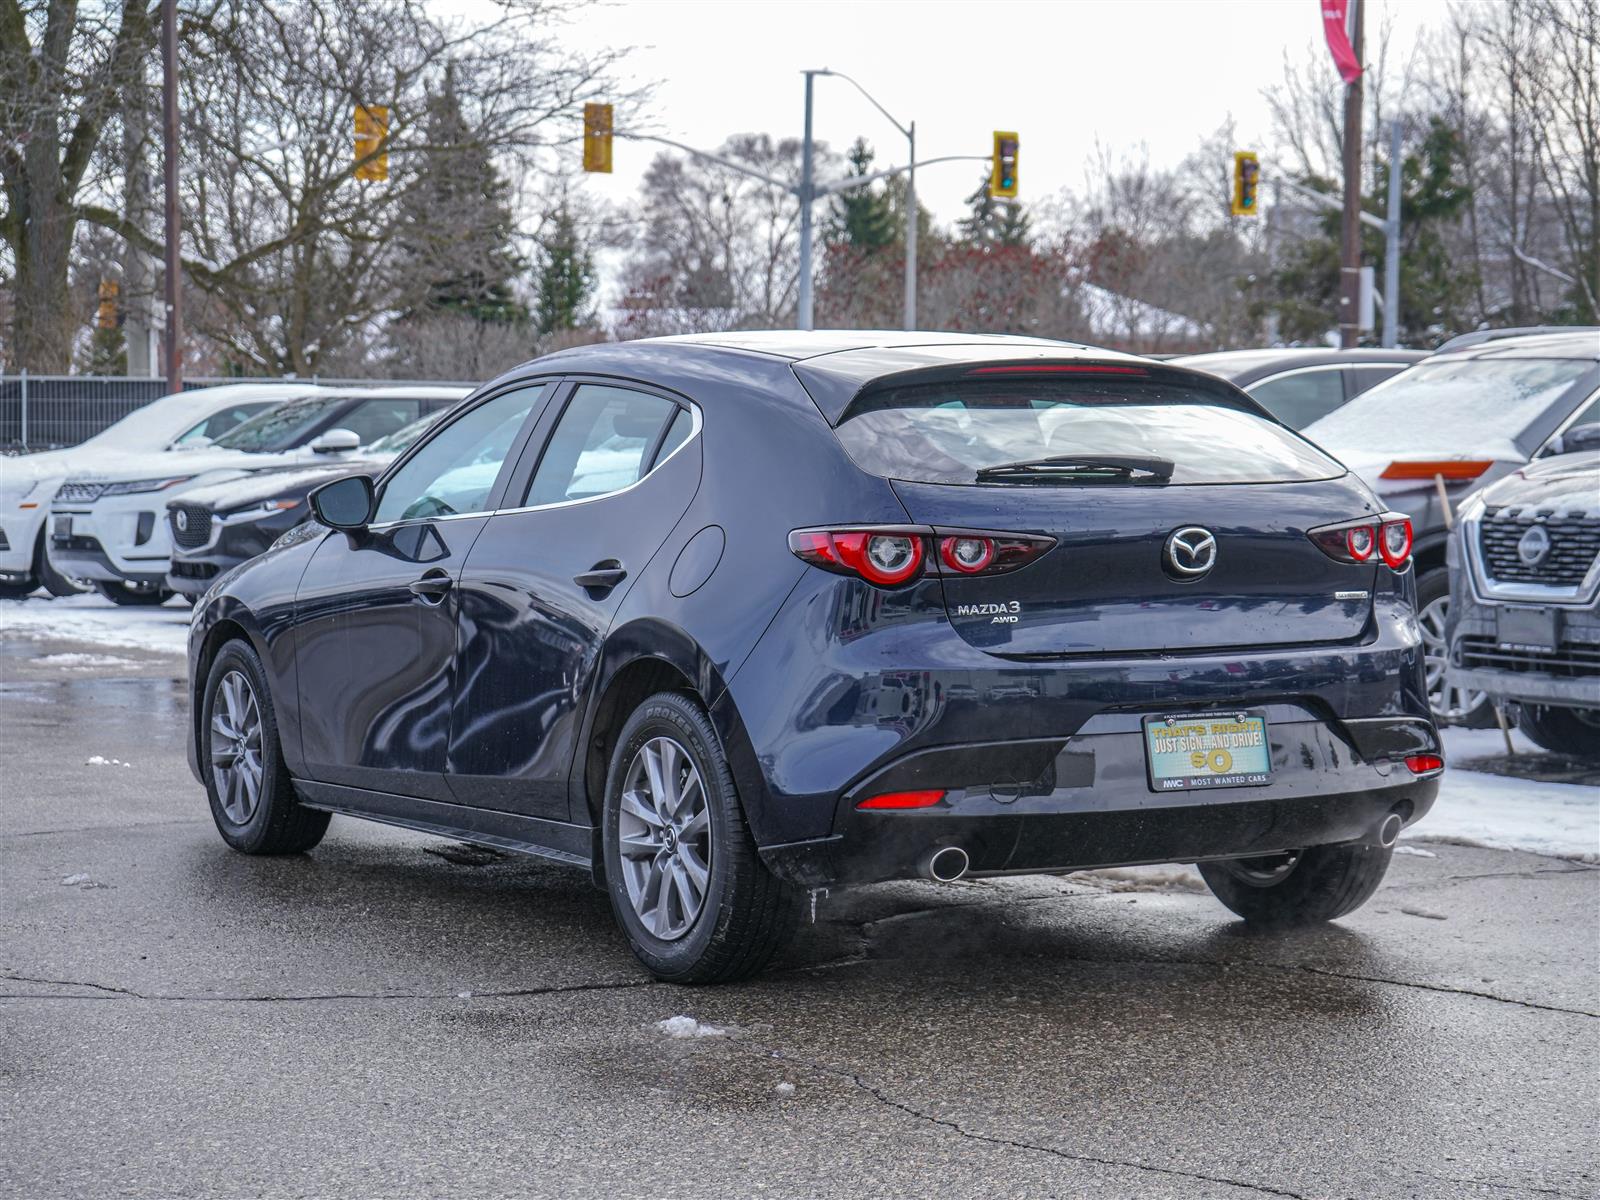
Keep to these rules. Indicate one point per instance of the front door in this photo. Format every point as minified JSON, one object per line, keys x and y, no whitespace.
{"x":542,"y":584}
{"x":376,"y":609}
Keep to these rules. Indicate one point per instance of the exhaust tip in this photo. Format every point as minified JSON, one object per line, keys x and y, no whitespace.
{"x":1389,"y":830}
{"x":946,"y":865}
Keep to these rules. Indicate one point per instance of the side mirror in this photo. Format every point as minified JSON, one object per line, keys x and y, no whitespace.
{"x":344,"y":503}
{"x":1580,"y":437}
{"x":336,"y":441}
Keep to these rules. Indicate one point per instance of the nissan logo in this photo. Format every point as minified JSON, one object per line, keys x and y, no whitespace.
{"x":1533,"y":546}
{"x":181,"y":520}
{"x":1190,"y":552}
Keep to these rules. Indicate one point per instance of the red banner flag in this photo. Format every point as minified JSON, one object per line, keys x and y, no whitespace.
{"x":1335,"y":15}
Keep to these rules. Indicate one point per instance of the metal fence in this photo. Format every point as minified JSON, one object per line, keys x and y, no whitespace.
{"x":44,"y":412}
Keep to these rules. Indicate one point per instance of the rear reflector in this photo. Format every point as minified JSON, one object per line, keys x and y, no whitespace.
{"x":1424,"y":764}
{"x":903,"y":800}
{"x":1454,"y":468}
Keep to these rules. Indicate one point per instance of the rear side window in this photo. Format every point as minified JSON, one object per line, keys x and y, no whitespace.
{"x":606,"y":440}
{"x":372,"y":419}
{"x":1301,"y":397}
{"x":1068,"y":431}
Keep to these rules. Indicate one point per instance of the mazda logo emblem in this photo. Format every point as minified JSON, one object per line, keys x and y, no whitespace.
{"x":1191,"y":552}
{"x":181,"y":520}
{"x":1533,"y":546}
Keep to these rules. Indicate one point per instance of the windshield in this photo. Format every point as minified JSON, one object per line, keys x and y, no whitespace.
{"x":1066,"y":432}
{"x":218,"y":423}
{"x":282,"y":428}
{"x":1458,"y":407}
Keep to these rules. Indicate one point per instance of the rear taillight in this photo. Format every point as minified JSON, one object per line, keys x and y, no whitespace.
{"x":898,"y":554}
{"x":1388,"y":536}
{"x":1424,"y":764}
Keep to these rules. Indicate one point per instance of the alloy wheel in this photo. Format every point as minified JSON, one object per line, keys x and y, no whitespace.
{"x":1449,"y":703}
{"x":664,"y":835}
{"x":236,"y":747}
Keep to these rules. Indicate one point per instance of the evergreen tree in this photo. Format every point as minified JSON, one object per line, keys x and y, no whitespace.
{"x":459,"y":236}
{"x":992,"y":222}
{"x":564,"y":273}
{"x":862,"y":217}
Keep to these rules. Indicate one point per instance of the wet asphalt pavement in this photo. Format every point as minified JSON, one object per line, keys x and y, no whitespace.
{"x":395,"y":1015}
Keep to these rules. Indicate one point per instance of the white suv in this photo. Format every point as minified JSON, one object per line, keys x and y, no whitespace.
{"x":181,"y":422}
{"x":108,"y":527}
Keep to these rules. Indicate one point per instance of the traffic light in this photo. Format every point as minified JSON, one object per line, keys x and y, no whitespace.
{"x":597,"y":138}
{"x":106,"y":314}
{"x":1246,"y":175}
{"x":372,"y":130}
{"x":1003,"y":171}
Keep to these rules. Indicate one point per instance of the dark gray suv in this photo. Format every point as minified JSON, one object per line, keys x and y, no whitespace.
{"x":1433,"y":435}
{"x":1525,"y":600}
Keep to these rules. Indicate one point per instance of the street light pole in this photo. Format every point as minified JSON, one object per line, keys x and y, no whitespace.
{"x":1391,"y":247}
{"x":805,"y":314}
{"x":911,"y":230}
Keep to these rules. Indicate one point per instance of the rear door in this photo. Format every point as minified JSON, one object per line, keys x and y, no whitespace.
{"x":375,"y":646}
{"x":604,"y":481}
{"x":1116,"y":582}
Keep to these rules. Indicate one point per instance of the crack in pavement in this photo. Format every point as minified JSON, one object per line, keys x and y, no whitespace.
{"x":957,"y":1128}
{"x":1501,"y":1187}
{"x":125,"y":828}
{"x":112,"y":993}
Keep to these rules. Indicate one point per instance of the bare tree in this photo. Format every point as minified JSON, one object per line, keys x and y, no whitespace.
{"x":63,"y":70}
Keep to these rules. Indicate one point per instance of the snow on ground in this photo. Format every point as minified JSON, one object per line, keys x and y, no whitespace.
{"x":687,"y":1027}
{"x":94,"y":620}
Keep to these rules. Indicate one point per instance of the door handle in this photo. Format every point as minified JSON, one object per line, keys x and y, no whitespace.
{"x":432,"y":586}
{"x":603,"y":575}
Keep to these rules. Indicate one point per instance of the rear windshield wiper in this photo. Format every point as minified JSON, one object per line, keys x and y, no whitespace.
{"x":1144,"y":467}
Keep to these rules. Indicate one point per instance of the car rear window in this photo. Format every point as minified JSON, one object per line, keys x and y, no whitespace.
{"x":960,"y":432}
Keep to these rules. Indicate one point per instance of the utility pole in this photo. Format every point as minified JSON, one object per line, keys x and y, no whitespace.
{"x":806,"y":195}
{"x":1350,"y":233}
{"x":1391,"y":243}
{"x":169,"y":130}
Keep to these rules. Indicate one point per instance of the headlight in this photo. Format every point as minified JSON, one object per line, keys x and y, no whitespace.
{"x":129,"y":487}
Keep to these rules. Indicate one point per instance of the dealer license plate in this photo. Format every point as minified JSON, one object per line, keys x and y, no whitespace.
{"x":1207,"y":750}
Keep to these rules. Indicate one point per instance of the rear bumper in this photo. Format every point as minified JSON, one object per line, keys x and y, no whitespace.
{"x":1085,"y":801}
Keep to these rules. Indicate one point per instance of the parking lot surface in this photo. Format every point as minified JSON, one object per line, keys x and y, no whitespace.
{"x":398,"y":1015}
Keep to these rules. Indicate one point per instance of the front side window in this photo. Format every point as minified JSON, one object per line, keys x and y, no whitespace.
{"x":372,"y":419}
{"x":1062,"y":431}
{"x":1302,"y":397}
{"x":455,"y":470}
{"x":607,"y":439}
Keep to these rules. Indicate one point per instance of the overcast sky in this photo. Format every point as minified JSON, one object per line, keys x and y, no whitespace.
{"x":1062,"y":73}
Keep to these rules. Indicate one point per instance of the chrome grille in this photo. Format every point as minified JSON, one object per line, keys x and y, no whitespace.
{"x":76,"y":492}
{"x":1574,"y":543}
{"x":191,"y":525}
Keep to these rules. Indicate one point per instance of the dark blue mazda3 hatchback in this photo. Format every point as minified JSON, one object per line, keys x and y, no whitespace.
{"x":729,"y":619}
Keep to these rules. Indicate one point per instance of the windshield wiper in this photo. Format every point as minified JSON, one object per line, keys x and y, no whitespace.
{"x":1146,"y":467}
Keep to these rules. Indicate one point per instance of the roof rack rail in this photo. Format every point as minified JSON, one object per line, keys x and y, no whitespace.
{"x":1478,"y":337}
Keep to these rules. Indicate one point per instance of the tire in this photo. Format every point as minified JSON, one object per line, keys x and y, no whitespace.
{"x":122,"y":594}
{"x":1563,"y":730}
{"x":745,"y":913}
{"x":1307,"y":887}
{"x":1450,"y":705}
{"x":52,"y":580}
{"x":272,"y":821}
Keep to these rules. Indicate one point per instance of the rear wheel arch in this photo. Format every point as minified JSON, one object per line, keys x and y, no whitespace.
{"x":629,"y":686}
